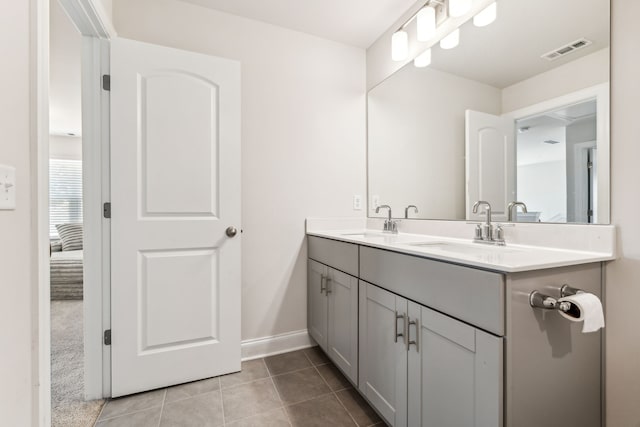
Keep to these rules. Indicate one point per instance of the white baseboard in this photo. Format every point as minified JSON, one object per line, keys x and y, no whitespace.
{"x":282,"y":343}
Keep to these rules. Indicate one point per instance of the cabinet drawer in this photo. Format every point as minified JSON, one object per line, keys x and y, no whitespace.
{"x":474,"y":296}
{"x":339,"y":255}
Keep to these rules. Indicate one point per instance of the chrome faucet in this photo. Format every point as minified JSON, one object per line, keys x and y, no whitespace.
{"x":515,"y":205}
{"x":390,"y":226}
{"x":406,"y":210}
{"x":486,"y":233}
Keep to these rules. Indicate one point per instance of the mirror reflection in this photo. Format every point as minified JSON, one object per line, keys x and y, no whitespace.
{"x":516,"y":115}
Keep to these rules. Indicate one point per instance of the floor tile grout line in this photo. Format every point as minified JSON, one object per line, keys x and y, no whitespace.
{"x":336,"y":397}
{"x":164,"y":398}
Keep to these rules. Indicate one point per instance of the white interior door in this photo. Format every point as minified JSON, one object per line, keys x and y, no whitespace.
{"x":490,"y":163}
{"x":175,"y":188}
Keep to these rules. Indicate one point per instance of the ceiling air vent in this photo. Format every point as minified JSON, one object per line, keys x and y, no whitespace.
{"x":566,"y":49}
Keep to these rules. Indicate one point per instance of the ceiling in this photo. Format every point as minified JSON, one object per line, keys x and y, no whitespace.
{"x":65,"y":112}
{"x":353,"y":22}
{"x":508,"y":50}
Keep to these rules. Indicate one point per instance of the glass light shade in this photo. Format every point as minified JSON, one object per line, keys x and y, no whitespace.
{"x":487,"y":16}
{"x":423,"y":60}
{"x":399,"y":45}
{"x":426,"y":23}
{"x":459,"y":7}
{"x":451,"y":41}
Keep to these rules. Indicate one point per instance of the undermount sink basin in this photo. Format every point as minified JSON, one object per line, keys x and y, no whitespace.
{"x":468,"y":249}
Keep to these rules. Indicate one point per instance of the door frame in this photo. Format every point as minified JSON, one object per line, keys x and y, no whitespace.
{"x":600,"y":93}
{"x":91,"y":19}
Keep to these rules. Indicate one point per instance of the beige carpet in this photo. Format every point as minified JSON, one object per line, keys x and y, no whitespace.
{"x":68,"y":408}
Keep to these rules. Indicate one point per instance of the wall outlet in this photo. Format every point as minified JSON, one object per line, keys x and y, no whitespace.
{"x":357,"y":202}
{"x":375,"y":202}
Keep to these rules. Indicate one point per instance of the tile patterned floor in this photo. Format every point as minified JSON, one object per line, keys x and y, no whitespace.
{"x":297,"y":389}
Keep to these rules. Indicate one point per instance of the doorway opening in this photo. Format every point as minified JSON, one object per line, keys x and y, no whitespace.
{"x":555,"y":164}
{"x":68,"y":270}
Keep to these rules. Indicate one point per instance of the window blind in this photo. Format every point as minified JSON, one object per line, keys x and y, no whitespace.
{"x":65,"y":193}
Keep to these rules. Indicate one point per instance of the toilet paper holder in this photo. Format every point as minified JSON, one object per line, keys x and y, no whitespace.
{"x":546,"y":302}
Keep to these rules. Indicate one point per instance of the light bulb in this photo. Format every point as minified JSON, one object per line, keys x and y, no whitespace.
{"x":426,"y":23}
{"x":486,"y":16}
{"x":399,"y":45}
{"x":452,"y":40}
{"x":423,"y":60}
{"x":459,"y":7}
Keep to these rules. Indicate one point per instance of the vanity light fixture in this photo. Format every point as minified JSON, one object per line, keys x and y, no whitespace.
{"x":452,"y":40}
{"x":486,"y":16}
{"x":426,"y":23}
{"x":459,"y":7}
{"x":423,"y":60}
{"x":399,"y":45}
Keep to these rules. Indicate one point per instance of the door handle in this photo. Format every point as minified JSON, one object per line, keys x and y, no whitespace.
{"x":411,"y":342}
{"x":327,"y":291}
{"x":404,"y":326}
{"x":323,"y":287}
{"x":231,"y":231}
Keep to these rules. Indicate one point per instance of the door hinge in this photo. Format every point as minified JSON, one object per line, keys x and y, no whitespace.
{"x":106,"y":82}
{"x":106,"y":210}
{"x":107,"y":337}
{"x":590,"y":165}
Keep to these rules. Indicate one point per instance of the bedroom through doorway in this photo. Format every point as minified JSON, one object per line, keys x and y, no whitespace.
{"x":66,"y":229}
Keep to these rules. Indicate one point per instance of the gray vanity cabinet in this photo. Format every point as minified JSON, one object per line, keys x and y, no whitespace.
{"x":333,"y":303}
{"x":421,"y":368}
{"x":454,"y":372}
{"x":438,"y":344}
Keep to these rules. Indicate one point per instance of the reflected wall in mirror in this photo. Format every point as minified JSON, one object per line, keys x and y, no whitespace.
{"x":494,"y":119}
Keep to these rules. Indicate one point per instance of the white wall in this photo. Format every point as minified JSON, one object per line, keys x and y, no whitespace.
{"x":65,"y":147}
{"x":543,"y":188}
{"x":623,"y":275}
{"x":16,"y":251}
{"x":416,"y":140}
{"x":65,"y":106}
{"x":303,"y":141}
{"x":588,"y":71}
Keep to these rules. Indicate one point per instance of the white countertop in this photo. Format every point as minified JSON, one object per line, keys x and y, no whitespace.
{"x":509,"y":259}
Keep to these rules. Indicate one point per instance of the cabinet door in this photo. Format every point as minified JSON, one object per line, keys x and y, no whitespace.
{"x":342,"y":291}
{"x":383,"y":356}
{"x":317,"y":302}
{"x":455,"y":372}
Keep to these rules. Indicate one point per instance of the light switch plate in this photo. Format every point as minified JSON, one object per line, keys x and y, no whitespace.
{"x":357,"y":202}
{"x":7,"y":187}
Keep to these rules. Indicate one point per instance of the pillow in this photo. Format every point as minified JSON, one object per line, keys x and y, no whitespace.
{"x":71,"y":236}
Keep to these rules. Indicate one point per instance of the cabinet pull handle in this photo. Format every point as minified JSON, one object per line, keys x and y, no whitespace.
{"x":411,"y":342}
{"x":323,"y":279}
{"x":327,"y":290}
{"x":404,"y":326}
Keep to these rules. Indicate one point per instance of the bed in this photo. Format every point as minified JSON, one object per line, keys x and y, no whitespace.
{"x":66,"y":268}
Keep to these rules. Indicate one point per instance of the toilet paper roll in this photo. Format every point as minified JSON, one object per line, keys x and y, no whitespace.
{"x":585,"y":307}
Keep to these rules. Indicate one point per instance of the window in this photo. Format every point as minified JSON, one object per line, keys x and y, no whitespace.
{"x":65,"y":193}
